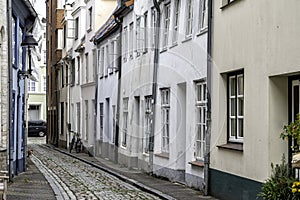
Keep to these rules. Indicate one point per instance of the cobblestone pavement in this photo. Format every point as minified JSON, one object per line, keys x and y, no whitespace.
{"x":77,"y":180}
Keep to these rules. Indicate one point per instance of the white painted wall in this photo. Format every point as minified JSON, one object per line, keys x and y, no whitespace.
{"x":259,"y":37}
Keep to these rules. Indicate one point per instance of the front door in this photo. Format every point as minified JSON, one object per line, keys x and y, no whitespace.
{"x":295,"y":98}
{"x":295,"y":90}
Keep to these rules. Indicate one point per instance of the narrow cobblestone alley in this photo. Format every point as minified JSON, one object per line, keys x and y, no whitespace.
{"x":74,"y":179}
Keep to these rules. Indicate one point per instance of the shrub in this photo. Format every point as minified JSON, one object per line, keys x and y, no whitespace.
{"x":279,"y":185}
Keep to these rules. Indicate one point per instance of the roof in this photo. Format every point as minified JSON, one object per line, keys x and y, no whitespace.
{"x":108,"y":27}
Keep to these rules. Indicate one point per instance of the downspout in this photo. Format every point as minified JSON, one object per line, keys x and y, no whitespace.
{"x":10,"y":84}
{"x":154,"y":85}
{"x":209,"y":82}
{"x":119,"y":94}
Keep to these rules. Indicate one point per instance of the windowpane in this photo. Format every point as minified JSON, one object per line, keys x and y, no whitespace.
{"x":236,"y":107}
{"x":232,"y":86}
{"x":233,"y":107}
{"x":240,"y":106}
{"x":240,"y":85}
{"x":240,"y":128}
{"x":233,"y":127}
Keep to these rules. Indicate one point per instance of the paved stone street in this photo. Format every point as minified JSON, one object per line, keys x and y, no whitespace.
{"x":73,"y":179}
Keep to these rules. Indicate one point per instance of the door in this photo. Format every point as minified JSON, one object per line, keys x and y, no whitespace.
{"x":295,"y":111}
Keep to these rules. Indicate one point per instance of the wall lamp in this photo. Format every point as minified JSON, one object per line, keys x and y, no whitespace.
{"x":28,"y":42}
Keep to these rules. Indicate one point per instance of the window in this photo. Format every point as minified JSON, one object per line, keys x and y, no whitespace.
{"x":145,"y":46}
{"x":147,"y":129}
{"x":114,"y":123}
{"x":125,"y":43}
{"x":78,"y":70}
{"x":166,"y":25}
{"x":94,"y":64}
{"x":203,"y":15}
{"x":76,"y":28}
{"x":201,"y":109}
{"x":62,"y":114}
{"x":72,"y":81}
{"x":90,"y":18}
{"x":236,"y":106}
{"x":67,"y":75}
{"x":117,"y":53}
{"x":101,"y":114}
{"x":101,"y":69}
{"x":62,"y":77}
{"x":65,"y":36}
{"x":153,"y":25}
{"x":125,"y":121}
{"x":44,"y":83}
{"x":112,"y":56}
{"x":138,"y":36}
{"x":86,"y":67}
{"x":86,"y":120}
{"x":45,"y":56}
{"x":78,"y":118}
{"x":176,"y":20}
{"x":189,"y":18}
{"x":165,"y":112}
{"x":107,"y":59}
{"x":131,"y":41}
{"x":31,"y":86}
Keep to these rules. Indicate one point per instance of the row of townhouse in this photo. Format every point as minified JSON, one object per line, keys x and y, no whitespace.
{"x":18,"y":56}
{"x":194,"y":91}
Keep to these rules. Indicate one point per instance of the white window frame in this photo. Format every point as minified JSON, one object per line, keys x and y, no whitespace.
{"x":189,"y":18}
{"x":125,"y":44}
{"x":145,"y":33}
{"x":86,"y":102}
{"x":76,"y":31}
{"x":32,"y":86}
{"x":131,"y":39}
{"x":107,"y":60}
{"x":176,"y":21}
{"x":203,"y":16}
{"x":138,"y":37}
{"x":236,"y":107}
{"x":167,"y":15}
{"x":125,"y":121}
{"x":153,"y":25}
{"x":44,"y":83}
{"x":87,"y":67}
{"x":90,"y":19}
{"x":148,"y":123}
{"x":200,"y":119}
{"x":101,"y":120}
{"x":165,"y":119}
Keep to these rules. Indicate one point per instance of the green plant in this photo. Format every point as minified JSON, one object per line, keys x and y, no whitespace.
{"x":279,"y":185}
{"x":292,"y":130}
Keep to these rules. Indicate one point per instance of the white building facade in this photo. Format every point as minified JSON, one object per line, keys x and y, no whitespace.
{"x":181,"y":105}
{"x":108,"y":57}
{"x":255,"y":88}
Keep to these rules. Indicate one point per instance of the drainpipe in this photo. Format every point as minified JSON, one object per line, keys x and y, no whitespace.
{"x":119,"y":22}
{"x":10,"y":94}
{"x":154,"y":85}
{"x":209,"y":81}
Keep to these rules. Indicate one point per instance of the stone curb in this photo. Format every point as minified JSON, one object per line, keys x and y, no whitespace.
{"x":121,"y":177}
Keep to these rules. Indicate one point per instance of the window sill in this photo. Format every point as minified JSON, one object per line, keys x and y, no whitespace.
{"x":228,"y":4}
{"x":202,"y":31}
{"x":188,"y":38}
{"x":232,"y":146}
{"x":162,"y":155}
{"x":197,"y":163}
{"x":173,"y":45}
{"x":163,"y":50}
